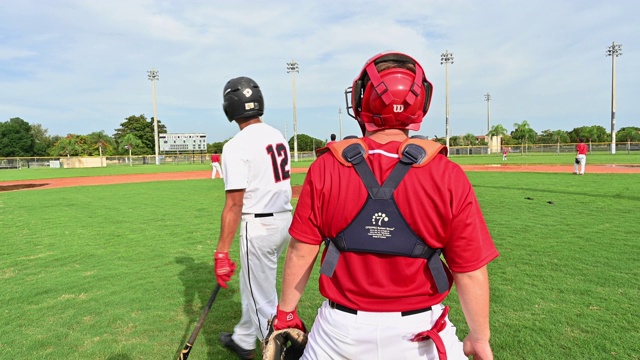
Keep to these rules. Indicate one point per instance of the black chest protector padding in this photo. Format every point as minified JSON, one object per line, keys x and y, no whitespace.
{"x":379,"y":227}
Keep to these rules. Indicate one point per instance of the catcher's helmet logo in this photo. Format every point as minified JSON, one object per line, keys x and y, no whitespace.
{"x":378,"y":218}
{"x":398,"y":108}
{"x":247,"y":92}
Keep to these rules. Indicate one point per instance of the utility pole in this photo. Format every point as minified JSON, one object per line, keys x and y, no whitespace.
{"x":614,"y":51}
{"x":153,"y":76}
{"x":487,"y":98}
{"x":293,"y":68}
{"x":446,"y":58}
{"x":340,"y":120}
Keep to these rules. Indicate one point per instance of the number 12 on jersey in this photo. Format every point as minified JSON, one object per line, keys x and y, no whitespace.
{"x":279,"y":161}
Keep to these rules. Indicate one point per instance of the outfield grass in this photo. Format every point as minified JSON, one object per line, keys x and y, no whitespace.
{"x":122,"y":271}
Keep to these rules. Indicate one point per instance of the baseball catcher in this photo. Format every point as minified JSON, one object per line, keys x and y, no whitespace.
{"x":285,"y":344}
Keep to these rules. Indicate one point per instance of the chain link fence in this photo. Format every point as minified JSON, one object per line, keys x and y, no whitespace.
{"x":60,"y":161}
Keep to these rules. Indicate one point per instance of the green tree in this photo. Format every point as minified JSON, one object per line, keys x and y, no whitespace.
{"x":130,"y":142}
{"x":498,"y":131}
{"x":524,"y":133}
{"x":559,"y":136}
{"x":306,"y":143}
{"x":101,"y":141}
{"x":470,"y":139}
{"x":43,"y":142}
{"x":630,"y":133}
{"x":67,"y":146}
{"x":216,"y":147}
{"x":595,"y":133}
{"x":16,"y":138}
{"x":142,"y":129}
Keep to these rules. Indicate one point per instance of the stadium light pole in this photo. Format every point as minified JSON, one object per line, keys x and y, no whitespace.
{"x":153,"y":76}
{"x":340,"y":120}
{"x":293,"y":68}
{"x":614,"y":51}
{"x":487,"y":98}
{"x":446,"y":58}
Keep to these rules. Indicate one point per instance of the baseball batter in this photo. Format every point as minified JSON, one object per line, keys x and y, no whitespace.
{"x":386,"y":206}
{"x":258,"y":199}
{"x":581,"y":157}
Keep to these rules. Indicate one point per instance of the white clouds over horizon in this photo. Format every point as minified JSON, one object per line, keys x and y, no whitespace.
{"x":78,"y":66}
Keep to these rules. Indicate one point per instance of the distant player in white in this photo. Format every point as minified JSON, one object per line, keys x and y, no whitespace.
{"x":258,"y":199}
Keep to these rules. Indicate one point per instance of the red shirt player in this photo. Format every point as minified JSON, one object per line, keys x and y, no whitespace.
{"x":581,"y":157}
{"x":384,"y":302}
{"x":215,"y":164}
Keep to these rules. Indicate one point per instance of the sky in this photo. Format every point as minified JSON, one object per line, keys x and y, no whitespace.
{"x":80,"y":66}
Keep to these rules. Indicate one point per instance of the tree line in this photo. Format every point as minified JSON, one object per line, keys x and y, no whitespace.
{"x":135,"y":136}
{"x":524,"y":134}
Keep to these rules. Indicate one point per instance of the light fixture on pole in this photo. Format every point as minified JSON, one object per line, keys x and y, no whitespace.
{"x":153,"y":76}
{"x":293,"y":68}
{"x":340,"y":120}
{"x":614,"y":51}
{"x":487,"y":98}
{"x":446,"y":58}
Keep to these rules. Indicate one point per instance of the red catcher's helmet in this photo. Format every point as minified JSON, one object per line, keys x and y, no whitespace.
{"x":392,"y":98}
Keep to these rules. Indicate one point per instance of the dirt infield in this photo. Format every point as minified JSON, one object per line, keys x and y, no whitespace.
{"x":206,"y":174}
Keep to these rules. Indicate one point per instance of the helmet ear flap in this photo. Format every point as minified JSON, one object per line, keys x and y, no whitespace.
{"x":428,"y":88}
{"x":357,"y":93}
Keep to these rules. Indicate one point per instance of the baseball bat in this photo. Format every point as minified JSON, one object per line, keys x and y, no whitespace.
{"x":192,"y":339}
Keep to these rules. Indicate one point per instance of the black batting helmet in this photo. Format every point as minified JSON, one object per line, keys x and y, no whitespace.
{"x":242,"y":99}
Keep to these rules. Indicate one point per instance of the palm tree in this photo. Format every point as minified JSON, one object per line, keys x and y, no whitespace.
{"x":591,"y":133}
{"x":498,"y":131}
{"x":101,"y":140}
{"x":66,"y":146}
{"x":470,"y":139}
{"x":559,"y":135}
{"x":524,"y":133}
{"x":130,"y":141}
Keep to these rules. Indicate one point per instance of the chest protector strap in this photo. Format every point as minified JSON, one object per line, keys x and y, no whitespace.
{"x":379,"y":226}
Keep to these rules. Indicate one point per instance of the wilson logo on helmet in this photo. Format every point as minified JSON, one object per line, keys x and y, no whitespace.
{"x":391,"y":92}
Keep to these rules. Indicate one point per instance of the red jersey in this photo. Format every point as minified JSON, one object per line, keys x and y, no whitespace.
{"x":215,"y":158}
{"x":436,"y":200}
{"x":582,"y":149}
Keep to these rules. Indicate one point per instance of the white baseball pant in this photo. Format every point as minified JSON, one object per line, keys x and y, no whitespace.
{"x":216,"y":169}
{"x":371,"y":335}
{"x":583,"y":163}
{"x":262,"y":240}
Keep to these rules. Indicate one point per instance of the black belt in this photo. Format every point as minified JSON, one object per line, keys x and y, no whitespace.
{"x":263,"y":215}
{"x":349,"y":310}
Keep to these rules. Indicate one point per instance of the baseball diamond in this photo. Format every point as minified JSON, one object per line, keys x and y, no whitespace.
{"x":206,"y":174}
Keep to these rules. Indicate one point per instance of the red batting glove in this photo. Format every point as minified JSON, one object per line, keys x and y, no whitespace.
{"x":224,"y":268}
{"x":287,"y":320}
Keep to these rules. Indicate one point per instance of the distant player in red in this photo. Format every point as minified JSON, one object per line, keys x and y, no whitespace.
{"x":581,"y":157}
{"x":387,"y":206}
{"x":215,"y":164}
{"x":504,"y":154}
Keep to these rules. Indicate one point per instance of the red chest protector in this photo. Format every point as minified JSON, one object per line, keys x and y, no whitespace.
{"x":379,"y":227}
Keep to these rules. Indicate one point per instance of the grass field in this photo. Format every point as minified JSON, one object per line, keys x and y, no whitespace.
{"x":120,"y":272}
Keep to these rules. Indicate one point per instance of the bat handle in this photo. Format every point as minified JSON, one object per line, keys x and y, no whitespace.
{"x":185,"y":352}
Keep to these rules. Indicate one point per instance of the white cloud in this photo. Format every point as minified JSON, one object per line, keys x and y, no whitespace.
{"x":78,"y":66}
